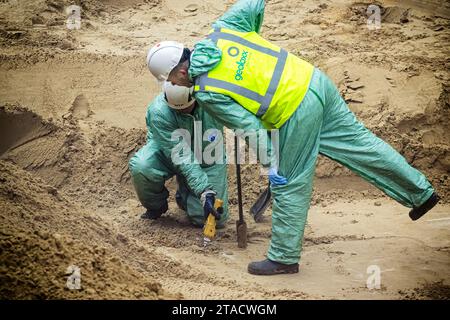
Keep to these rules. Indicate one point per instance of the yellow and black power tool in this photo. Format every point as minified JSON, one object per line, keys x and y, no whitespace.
{"x":209,"y":230}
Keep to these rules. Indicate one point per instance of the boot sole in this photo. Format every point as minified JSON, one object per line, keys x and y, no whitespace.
{"x":147,"y":217}
{"x":275,"y":272}
{"x":430,"y":204}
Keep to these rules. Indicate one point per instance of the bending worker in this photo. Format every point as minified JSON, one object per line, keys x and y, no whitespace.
{"x":152,"y":165}
{"x":249,"y":83}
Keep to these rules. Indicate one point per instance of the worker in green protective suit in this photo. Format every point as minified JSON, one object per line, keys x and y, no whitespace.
{"x":199,"y":183}
{"x":246,"y":82}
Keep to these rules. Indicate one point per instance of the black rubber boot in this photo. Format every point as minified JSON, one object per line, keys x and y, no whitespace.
{"x":155,"y":214}
{"x":268,"y":267}
{"x":416,"y":213}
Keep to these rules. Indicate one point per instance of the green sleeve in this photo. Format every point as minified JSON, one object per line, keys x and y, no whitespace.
{"x":205,"y":57}
{"x":147,"y":122}
{"x":162,"y":126}
{"x":232,"y":115}
{"x":243,"y":16}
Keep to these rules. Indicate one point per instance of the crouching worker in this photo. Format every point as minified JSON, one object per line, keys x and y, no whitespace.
{"x":171,"y":117}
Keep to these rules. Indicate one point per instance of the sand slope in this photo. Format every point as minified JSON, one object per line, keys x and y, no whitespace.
{"x":72,"y":108}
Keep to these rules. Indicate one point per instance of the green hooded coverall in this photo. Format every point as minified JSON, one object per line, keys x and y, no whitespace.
{"x":322,"y":123}
{"x":152,"y":166}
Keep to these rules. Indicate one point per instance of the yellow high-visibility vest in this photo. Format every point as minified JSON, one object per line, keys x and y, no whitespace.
{"x":263,"y":78}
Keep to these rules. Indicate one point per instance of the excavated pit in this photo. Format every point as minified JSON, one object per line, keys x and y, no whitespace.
{"x":18,"y":127}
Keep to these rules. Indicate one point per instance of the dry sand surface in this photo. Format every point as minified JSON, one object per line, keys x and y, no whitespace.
{"x":72,"y":109}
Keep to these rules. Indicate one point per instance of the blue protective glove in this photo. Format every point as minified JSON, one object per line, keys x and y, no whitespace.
{"x":208,"y":198}
{"x":275,"y":179}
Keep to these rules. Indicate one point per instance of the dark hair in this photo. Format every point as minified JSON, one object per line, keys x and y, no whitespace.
{"x":185,"y":56}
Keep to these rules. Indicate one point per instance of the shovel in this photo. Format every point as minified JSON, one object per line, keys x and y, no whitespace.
{"x":259,"y":207}
{"x":241,"y":226}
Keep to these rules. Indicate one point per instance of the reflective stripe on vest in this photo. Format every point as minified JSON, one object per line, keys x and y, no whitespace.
{"x":270,"y":76}
{"x":265,"y":100}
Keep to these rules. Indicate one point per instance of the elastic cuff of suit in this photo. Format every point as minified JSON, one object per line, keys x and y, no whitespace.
{"x":425,"y":197}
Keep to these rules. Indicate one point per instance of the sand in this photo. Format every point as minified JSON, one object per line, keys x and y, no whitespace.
{"x":72,"y":112}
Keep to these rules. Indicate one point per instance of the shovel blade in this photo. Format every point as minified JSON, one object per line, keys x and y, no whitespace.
{"x":241,"y":230}
{"x":259,"y":207}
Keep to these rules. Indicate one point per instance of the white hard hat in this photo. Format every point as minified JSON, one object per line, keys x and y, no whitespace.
{"x":163,"y":57}
{"x":178,"y":97}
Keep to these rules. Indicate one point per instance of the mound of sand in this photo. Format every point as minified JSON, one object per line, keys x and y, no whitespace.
{"x":72,"y":109}
{"x":43,"y":234}
{"x":93,"y":165}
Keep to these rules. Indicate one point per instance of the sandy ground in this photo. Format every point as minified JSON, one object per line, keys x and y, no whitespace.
{"x":72,"y":108}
